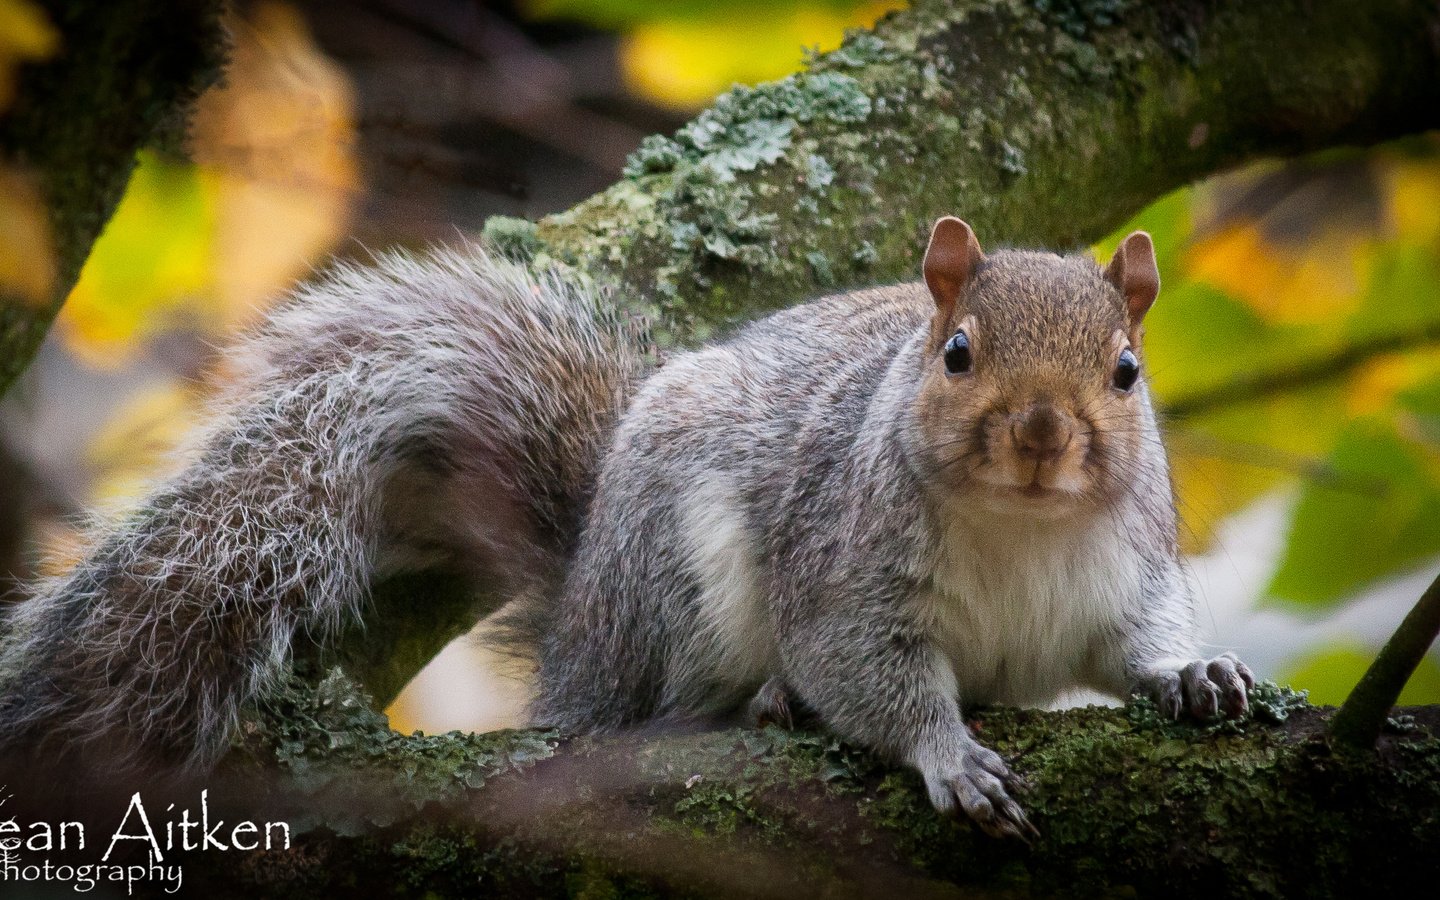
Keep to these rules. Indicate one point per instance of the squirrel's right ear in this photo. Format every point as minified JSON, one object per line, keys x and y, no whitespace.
{"x":951,"y":259}
{"x":1134,"y":273}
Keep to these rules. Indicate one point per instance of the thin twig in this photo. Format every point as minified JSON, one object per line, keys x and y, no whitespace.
{"x":1336,"y":365}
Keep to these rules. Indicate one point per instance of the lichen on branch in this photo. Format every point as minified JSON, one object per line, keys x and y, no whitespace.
{"x":1043,"y":123}
{"x":1126,"y":801}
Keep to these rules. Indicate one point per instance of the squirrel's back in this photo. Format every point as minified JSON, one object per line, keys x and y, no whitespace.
{"x":776,"y":372}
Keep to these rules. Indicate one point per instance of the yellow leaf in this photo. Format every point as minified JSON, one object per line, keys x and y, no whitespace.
{"x":1413,"y":189}
{"x":27,"y":253}
{"x":26,"y":35}
{"x":280,"y":137}
{"x":1375,"y":384}
{"x":1310,"y":285}
{"x":1226,"y":459}
{"x":685,"y":63}
{"x":25,"y":32}
{"x":151,"y":262}
{"x":1209,"y":489}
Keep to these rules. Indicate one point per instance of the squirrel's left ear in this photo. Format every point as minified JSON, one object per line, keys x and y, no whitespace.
{"x":1134,"y":272}
{"x":951,"y":258}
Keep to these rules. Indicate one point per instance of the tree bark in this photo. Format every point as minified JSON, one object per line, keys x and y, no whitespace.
{"x":1126,"y":803}
{"x":124,"y":77}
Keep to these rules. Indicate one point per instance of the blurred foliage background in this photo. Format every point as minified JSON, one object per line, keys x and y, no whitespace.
{"x":1296,"y":346}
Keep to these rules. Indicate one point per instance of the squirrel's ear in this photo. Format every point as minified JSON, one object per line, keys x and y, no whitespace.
{"x":1134,"y":272}
{"x":950,"y":260}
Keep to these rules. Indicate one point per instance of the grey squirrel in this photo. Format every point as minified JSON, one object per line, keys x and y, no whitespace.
{"x":881,"y":504}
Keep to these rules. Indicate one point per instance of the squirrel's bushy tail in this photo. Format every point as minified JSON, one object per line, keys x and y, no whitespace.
{"x":448,"y":410}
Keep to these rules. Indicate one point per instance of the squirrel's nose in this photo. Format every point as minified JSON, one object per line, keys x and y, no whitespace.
{"x":1042,"y":432}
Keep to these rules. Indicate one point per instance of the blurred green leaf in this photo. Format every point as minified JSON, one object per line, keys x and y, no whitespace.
{"x":1423,"y":399}
{"x":1226,"y":459}
{"x":1401,"y":293}
{"x":1198,"y":337}
{"x":1384,"y":516}
{"x":1423,"y":402}
{"x":1169,"y":222}
{"x":1330,"y":674}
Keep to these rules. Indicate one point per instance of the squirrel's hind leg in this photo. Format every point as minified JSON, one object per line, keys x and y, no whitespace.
{"x":777,"y":703}
{"x":771,"y":705}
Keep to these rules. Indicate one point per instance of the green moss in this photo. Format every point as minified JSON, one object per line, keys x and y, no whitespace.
{"x":718,"y":808}
{"x":691,"y":206}
{"x":1269,"y":702}
{"x":1079,"y":18}
{"x":323,"y":735}
{"x":511,"y":236}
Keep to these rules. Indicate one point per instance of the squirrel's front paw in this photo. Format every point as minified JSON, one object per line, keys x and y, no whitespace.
{"x":1202,"y":688}
{"x":975,"y":779}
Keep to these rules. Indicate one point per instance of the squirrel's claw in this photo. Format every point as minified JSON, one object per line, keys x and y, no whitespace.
{"x":988,"y":804}
{"x":1233,"y":679}
{"x":1013,"y":822}
{"x":979,"y":784}
{"x":1203,"y":688}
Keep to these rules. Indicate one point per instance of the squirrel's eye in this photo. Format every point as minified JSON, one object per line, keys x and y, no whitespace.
{"x":1127,"y":370}
{"x":957,"y":354}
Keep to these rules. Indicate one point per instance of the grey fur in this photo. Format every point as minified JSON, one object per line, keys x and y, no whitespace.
{"x":445,"y":411}
{"x":827,"y":496}
{"x":774,"y":510}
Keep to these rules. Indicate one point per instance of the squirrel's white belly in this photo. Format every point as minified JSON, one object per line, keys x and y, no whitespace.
{"x":732,"y":647}
{"x":1017,"y":610}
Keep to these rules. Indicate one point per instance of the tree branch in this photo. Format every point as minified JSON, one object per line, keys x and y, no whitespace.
{"x":1358,"y":723}
{"x":1125,"y":800}
{"x":1043,"y":125}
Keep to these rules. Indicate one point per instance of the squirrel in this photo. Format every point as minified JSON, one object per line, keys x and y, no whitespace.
{"x":879,"y":504}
